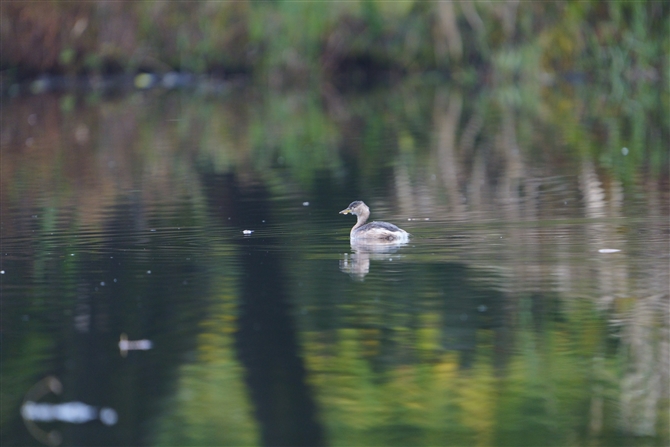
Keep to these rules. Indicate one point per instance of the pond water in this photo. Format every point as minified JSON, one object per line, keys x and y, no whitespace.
{"x":530,"y":306}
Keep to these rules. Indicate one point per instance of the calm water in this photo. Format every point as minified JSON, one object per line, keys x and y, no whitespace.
{"x":530,"y":307}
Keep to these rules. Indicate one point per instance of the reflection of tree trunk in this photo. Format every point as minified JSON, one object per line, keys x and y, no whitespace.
{"x":646,"y":335}
{"x":507,"y":13}
{"x":514,"y":166}
{"x":267,"y":346}
{"x":519,"y":240}
{"x":611,"y":269}
{"x":266,"y":341}
{"x":478,"y":181}
{"x":512,"y":174}
{"x":657,"y":269}
{"x":471,"y":15}
{"x":466,"y":147}
{"x":641,"y":387}
{"x":592,"y":192}
{"x":596,"y":411}
{"x":403,"y":189}
{"x":447,"y":31}
{"x":470,"y":133}
{"x":446,"y":121}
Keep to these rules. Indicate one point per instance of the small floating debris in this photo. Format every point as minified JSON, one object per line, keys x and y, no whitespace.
{"x":305,"y":203}
{"x":608,"y":250}
{"x":247,"y":232}
{"x":126,"y":345}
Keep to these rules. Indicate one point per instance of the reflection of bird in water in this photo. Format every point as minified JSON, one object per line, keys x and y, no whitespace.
{"x":374,"y":231}
{"x":357,"y":264}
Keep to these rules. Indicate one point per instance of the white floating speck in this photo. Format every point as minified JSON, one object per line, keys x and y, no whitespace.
{"x":624,"y":151}
{"x":2,"y":272}
{"x":148,"y":272}
{"x":247,"y":232}
{"x":102,"y":283}
{"x":608,"y":250}
{"x":305,"y":203}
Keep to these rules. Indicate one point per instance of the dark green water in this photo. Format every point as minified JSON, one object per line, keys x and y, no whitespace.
{"x":530,"y":307}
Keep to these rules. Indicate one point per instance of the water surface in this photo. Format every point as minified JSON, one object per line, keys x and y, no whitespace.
{"x":530,"y":306}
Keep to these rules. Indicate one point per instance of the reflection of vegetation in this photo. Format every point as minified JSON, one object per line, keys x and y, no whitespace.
{"x":544,"y":396}
{"x":79,"y":271}
{"x":21,"y":360}
{"x":293,"y":131}
{"x":122,"y":167}
{"x":211,"y":404}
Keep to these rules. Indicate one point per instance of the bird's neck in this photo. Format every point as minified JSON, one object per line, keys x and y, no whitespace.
{"x":362,"y":218}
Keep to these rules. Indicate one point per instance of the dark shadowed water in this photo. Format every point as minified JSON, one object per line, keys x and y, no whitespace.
{"x":530,"y":307}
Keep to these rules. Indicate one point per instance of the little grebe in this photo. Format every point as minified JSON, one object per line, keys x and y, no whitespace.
{"x":373,"y":231}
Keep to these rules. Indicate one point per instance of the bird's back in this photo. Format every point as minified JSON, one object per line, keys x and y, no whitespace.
{"x":382,"y":231}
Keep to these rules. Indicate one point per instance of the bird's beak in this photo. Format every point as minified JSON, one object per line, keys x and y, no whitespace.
{"x":347,"y":211}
